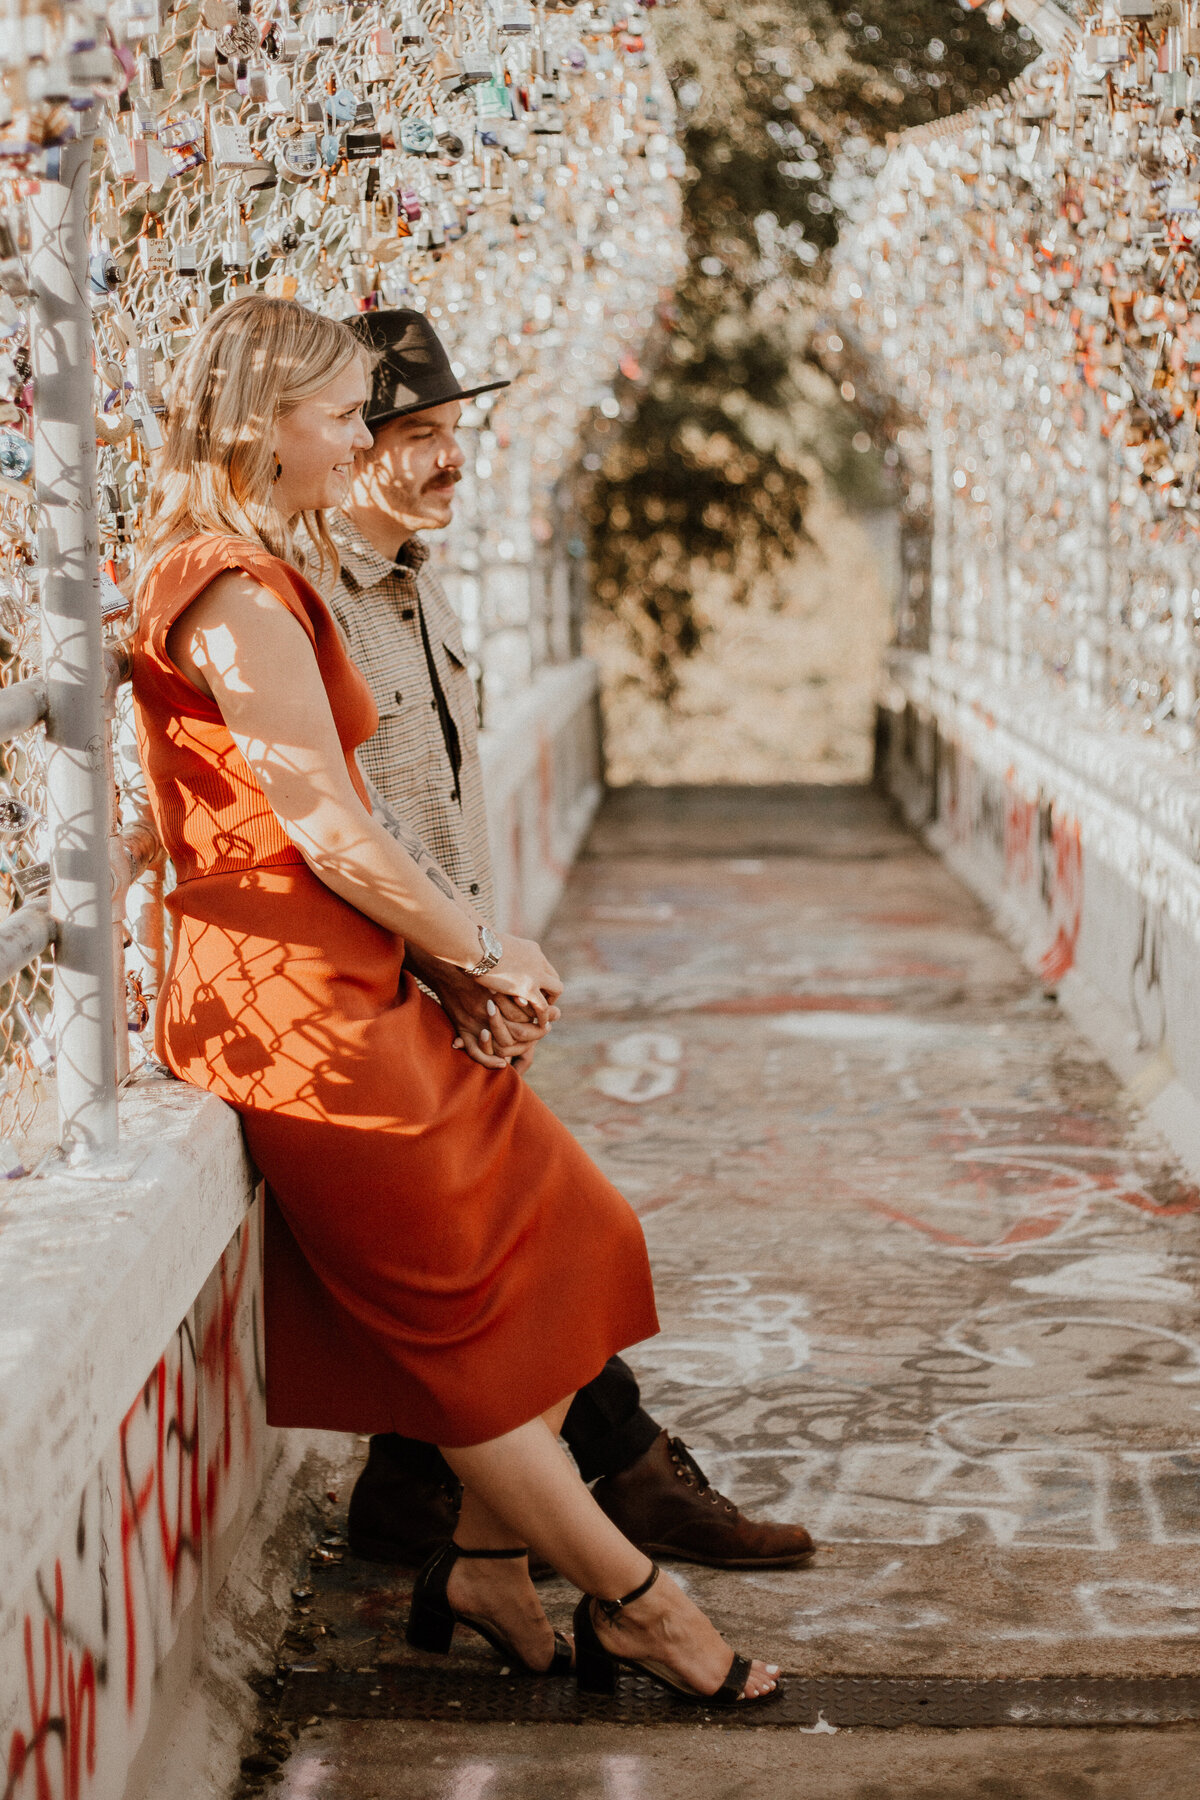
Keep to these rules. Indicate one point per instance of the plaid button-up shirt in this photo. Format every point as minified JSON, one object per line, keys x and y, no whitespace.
{"x":379,"y":605}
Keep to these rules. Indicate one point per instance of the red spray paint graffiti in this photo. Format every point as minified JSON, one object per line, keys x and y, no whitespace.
{"x":1020,"y":834}
{"x":1062,"y":890}
{"x":184,"y":1496}
{"x":181,"y":1447}
{"x":62,"y":1712}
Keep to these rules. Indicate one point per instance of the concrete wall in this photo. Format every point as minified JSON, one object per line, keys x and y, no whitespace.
{"x":542,"y":777}
{"x":1085,"y":843}
{"x":133,"y":1439}
{"x":132,"y":1443}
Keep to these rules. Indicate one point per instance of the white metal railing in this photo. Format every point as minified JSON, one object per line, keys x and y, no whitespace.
{"x":1028,"y":283}
{"x":506,"y":167}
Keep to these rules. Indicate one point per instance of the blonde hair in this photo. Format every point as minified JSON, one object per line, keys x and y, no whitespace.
{"x":251,"y":363}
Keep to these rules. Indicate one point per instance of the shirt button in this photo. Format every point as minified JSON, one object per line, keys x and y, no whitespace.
{"x":474,"y":888}
{"x":398,"y":697}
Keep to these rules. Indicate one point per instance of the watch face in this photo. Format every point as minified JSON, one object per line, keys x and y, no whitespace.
{"x":491,"y":943}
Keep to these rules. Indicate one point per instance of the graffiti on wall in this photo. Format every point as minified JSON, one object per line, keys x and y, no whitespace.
{"x":1147,"y":994}
{"x":106,"y":1607}
{"x":1035,"y":841}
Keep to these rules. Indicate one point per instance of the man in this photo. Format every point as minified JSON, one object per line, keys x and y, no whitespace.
{"x":424,"y":762}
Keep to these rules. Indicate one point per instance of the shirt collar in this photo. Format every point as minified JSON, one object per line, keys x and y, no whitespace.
{"x":360,"y":559}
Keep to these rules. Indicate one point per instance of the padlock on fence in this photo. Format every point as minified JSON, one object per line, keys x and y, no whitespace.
{"x":133,"y":20}
{"x":182,"y":142}
{"x":381,"y":54}
{"x":449,"y":139}
{"x":360,"y":145}
{"x":414,"y":37}
{"x":417,"y":135}
{"x":299,"y":156}
{"x":16,"y":455}
{"x":154,"y":249}
{"x":13,"y":278}
{"x":230,"y":145}
{"x":104,"y":272}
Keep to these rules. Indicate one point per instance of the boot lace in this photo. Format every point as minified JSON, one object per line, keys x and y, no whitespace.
{"x":688,"y":1470}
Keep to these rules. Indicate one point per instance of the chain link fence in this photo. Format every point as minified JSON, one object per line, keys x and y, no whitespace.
{"x":1027,"y":283}
{"x":507,"y":168}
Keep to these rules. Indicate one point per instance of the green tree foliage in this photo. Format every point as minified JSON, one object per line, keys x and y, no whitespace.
{"x":784,"y":109}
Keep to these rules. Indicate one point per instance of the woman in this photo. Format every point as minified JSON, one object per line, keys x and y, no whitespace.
{"x":442,"y":1259}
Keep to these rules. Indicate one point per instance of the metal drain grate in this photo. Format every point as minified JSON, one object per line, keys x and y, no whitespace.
{"x":885,"y":1703}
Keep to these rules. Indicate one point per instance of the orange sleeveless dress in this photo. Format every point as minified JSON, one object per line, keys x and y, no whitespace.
{"x":442,"y":1258}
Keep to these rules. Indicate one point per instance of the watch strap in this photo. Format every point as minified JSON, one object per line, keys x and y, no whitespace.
{"x":489,"y":958}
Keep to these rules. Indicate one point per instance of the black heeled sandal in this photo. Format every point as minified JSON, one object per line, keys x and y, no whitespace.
{"x":432,"y":1619}
{"x":596,"y":1667}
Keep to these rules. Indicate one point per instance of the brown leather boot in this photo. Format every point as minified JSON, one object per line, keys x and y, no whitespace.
{"x":399,"y":1514}
{"x":664,"y":1504}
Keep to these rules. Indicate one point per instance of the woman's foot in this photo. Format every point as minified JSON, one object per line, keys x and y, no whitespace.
{"x":665,"y":1627}
{"x":502,"y":1593}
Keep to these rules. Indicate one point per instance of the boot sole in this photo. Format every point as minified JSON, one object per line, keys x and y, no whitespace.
{"x":671,"y":1553}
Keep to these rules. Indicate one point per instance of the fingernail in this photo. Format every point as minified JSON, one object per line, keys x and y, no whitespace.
{"x":485,"y":1033}
{"x":457,"y":1044}
{"x":491,"y":1009}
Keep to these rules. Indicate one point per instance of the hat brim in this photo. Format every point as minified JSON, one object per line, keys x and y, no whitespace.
{"x":374,"y":420}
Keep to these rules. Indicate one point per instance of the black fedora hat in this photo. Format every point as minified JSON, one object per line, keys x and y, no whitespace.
{"x":413,"y":371}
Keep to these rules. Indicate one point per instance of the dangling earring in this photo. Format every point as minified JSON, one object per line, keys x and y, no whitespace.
{"x":278,"y":468}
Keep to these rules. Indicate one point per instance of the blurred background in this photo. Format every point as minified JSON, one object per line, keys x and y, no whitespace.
{"x":743,"y":518}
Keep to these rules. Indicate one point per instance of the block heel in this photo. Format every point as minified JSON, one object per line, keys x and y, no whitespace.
{"x":595,"y":1670}
{"x":432,"y":1619}
{"x":429,"y":1628}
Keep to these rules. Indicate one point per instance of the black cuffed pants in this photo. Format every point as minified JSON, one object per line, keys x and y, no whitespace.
{"x":606,"y":1430}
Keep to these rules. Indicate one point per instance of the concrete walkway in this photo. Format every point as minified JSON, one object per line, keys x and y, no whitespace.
{"x":925,"y":1280}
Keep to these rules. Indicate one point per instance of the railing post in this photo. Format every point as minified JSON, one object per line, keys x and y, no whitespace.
{"x":79,"y":799}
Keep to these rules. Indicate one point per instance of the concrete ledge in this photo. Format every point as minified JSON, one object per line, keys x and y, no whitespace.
{"x":1084,"y":841}
{"x":214,"y":1726}
{"x":97,"y":1271}
{"x":1137,"y":802}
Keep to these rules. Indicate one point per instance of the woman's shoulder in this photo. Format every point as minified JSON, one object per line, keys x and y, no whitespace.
{"x":209,"y":554}
{"x":184,"y":570}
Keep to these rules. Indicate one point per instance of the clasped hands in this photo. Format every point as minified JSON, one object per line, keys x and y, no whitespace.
{"x":498,"y":1030}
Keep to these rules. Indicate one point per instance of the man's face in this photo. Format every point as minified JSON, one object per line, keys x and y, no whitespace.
{"x":413,"y":468}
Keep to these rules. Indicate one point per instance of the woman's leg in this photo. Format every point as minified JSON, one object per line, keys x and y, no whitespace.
{"x":522,"y":1488}
{"x":501,"y":1590}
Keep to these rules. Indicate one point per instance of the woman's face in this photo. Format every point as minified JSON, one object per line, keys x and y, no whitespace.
{"x":315,"y":443}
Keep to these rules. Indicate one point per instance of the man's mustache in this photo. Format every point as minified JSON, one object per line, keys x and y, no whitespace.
{"x":448,"y":478}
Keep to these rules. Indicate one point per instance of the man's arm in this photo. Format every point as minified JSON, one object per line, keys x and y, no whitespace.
{"x":409,"y":839}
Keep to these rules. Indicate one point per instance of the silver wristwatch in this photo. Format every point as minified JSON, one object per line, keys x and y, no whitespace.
{"x":492,"y":950}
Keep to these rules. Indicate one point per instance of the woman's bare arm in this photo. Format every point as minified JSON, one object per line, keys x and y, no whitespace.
{"x":241,"y":646}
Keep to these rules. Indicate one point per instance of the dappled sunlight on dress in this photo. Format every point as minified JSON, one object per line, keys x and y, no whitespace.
{"x":442,"y":1258}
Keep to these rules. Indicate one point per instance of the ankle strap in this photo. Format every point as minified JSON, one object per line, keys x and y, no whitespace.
{"x":610,"y":1608}
{"x":488,"y":1555}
